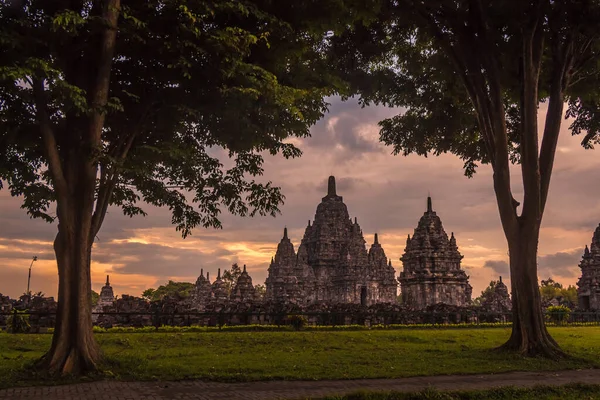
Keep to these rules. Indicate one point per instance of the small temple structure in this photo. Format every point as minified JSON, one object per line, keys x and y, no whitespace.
{"x":244,"y":289}
{"x":217,"y":292}
{"x":107,"y":298}
{"x":431,"y":266}
{"x":498,"y":299}
{"x":588,"y":286}
{"x":332,"y":264}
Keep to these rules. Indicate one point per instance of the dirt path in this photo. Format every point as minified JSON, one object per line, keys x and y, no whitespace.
{"x":113,"y":390}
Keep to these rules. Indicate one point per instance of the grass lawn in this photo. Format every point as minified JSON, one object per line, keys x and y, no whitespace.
{"x":568,"y":392}
{"x":240,"y":356}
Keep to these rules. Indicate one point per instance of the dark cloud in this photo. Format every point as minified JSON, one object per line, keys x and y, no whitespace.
{"x":562,"y":263}
{"x":344,"y":130}
{"x":161,"y":261}
{"x":499,"y":267}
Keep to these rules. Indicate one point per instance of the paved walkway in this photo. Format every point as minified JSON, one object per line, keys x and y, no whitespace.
{"x":113,"y":390}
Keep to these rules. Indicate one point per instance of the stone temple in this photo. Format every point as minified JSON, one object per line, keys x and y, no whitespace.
{"x":107,"y":298}
{"x":431,"y":266}
{"x":588,"y":286}
{"x":332,"y":264}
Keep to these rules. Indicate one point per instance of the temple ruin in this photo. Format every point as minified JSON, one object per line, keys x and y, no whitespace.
{"x":431,"y":266}
{"x":588,"y":286}
{"x":332,"y":264}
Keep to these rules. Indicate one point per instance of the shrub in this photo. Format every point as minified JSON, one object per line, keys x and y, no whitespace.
{"x":18,"y":322}
{"x":558,"y":314}
{"x":297,"y":321}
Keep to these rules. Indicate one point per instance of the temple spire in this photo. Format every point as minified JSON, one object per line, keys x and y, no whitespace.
{"x":376,"y":239}
{"x":219,"y":273}
{"x":244,"y":268}
{"x":429,"y":207}
{"x":285,"y":236}
{"x":107,"y":282}
{"x":331,"y":186}
{"x":202,"y":272}
{"x":500,"y":279}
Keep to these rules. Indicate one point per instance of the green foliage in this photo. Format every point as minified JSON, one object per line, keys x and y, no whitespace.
{"x":199,"y":91}
{"x":95,"y":298}
{"x":148,"y":294}
{"x":550,"y":290}
{"x":18,"y":322}
{"x":306,"y":355}
{"x":179,"y":290}
{"x":261,"y":290}
{"x":297,"y":321}
{"x":230,"y":277}
{"x":439,"y":62}
{"x":558,"y":314}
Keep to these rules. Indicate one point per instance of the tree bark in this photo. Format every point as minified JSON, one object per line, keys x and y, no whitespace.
{"x":529,"y":335}
{"x":74,"y":349}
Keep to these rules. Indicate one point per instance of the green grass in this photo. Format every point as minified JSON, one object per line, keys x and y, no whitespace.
{"x":567,"y":392}
{"x":240,"y":356}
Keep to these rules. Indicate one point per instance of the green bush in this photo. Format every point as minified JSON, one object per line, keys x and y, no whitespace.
{"x":558,"y":314}
{"x":297,"y":321}
{"x":18,"y":322}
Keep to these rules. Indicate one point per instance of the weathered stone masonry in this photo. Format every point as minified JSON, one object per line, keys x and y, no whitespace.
{"x":588,"y":286}
{"x":332,"y":264}
{"x":431,"y":266}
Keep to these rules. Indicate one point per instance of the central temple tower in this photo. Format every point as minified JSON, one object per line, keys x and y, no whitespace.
{"x":332,"y":264}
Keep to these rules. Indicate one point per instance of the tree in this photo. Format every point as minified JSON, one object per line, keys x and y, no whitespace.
{"x":470,"y":76}
{"x":179,"y":290}
{"x":486,"y":293}
{"x":550,"y":290}
{"x":260,"y":290}
{"x":230,"y":277}
{"x":95,"y":297}
{"x":148,"y":294}
{"x":170,"y":102}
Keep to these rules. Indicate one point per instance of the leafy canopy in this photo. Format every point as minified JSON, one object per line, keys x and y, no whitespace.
{"x":178,"y":290}
{"x":199,"y":92}
{"x":445,"y":62}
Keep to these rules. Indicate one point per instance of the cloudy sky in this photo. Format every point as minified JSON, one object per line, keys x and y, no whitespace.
{"x":386,"y":193}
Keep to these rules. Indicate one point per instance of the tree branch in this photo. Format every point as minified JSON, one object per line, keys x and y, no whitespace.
{"x":530,"y":168}
{"x":54,"y":161}
{"x":563,"y":62}
{"x":99,"y":92}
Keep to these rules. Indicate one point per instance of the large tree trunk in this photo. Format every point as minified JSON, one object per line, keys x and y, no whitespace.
{"x":529,"y":334}
{"x":74,"y":349}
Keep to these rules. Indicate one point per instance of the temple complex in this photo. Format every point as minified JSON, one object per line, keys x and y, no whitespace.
{"x":588,"y":286}
{"x":332,"y":264}
{"x":431,"y":266}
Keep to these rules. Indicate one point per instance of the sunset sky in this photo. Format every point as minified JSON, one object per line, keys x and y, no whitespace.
{"x":386,"y":193}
